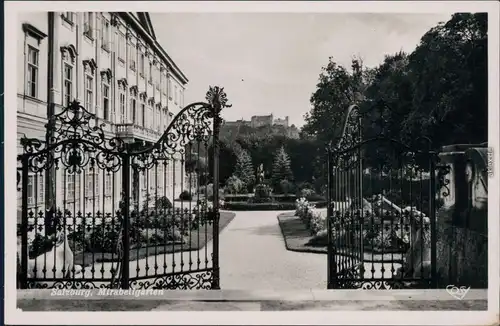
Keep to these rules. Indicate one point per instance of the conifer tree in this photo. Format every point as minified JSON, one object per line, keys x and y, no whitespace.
{"x":244,"y":168}
{"x":281,"y":167}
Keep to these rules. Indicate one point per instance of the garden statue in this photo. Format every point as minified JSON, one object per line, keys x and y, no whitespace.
{"x":260,"y":174}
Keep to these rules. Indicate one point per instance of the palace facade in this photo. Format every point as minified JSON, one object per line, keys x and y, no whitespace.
{"x":114,"y":66}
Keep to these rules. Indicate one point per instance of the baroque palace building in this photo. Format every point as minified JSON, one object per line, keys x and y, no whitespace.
{"x":114,"y":66}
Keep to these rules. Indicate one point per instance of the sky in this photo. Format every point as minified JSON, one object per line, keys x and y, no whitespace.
{"x":270,"y":62}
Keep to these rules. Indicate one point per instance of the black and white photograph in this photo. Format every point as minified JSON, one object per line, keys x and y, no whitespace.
{"x":208,"y":157}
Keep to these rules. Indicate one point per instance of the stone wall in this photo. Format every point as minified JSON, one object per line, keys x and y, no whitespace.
{"x":461,"y":222}
{"x":462,"y":229}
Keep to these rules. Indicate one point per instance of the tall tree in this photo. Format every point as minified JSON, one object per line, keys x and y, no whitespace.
{"x":281,"y":167}
{"x":244,"y":168}
{"x":449,"y":69}
{"x":387,"y":103}
{"x":336,"y":90}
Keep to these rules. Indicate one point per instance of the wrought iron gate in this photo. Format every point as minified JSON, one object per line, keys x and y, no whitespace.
{"x":381,"y":209}
{"x":103,"y":210}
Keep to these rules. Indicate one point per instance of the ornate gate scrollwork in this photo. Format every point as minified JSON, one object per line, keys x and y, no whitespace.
{"x":381,"y":206}
{"x":132,"y":215}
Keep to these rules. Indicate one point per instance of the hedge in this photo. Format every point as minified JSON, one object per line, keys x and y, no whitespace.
{"x":272,"y":206}
{"x":230,"y":198}
{"x":237,"y":198}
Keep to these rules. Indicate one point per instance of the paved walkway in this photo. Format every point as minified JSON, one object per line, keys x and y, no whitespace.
{"x":253,"y":256}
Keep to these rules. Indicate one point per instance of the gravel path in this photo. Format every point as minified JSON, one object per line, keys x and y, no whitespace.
{"x":253,"y":256}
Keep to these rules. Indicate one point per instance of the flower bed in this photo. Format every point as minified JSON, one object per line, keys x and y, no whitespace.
{"x":392,"y":232}
{"x":163,"y":230}
{"x":312,"y":218}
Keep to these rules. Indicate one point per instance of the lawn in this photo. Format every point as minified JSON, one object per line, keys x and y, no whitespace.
{"x":296,"y":234}
{"x":197,"y":240}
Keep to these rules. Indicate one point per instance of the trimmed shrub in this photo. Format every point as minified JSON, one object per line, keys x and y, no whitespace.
{"x":304,"y":185}
{"x":185,"y":195}
{"x":269,"y":206}
{"x":284,"y":198}
{"x":306,"y":192}
{"x":285,"y":187}
{"x":239,"y":197}
{"x":234,"y":185}
{"x":262,"y":194}
{"x":315,"y":197}
{"x":103,"y":239}
{"x":163,"y":203}
{"x":40,"y":245}
{"x":209,"y":192}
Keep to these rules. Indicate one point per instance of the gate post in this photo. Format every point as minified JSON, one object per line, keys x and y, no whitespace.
{"x":126,"y":221}
{"x":215,"y":260}
{"x":24,"y":224}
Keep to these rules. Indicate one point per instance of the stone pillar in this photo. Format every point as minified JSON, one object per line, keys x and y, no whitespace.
{"x":454,"y":195}
{"x":462,"y":250}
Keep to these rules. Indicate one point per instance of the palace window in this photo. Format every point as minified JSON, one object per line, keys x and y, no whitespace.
{"x":105,"y":99}
{"x":89,"y":91}
{"x":158,"y":118}
{"x":121,"y":46}
{"x":143,"y":113}
{"x":169,"y":88}
{"x":36,"y":190}
{"x":92,"y":184}
{"x":157,"y":78}
{"x":105,"y":34}
{"x":88,"y":24}
{"x":32,"y":82}
{"x":122,"y":106}
{"x":68,"y":81}
{"x":72,"y":187}
{"x":150,"y":119}
{"x":141,"y":64}
{"x":68,"y":16}
{"x":150,"y":77}
{"x":133,"y":57}
{"x":133,"y":105}
{"x":108,"y":182}
{"x":164,"y":84}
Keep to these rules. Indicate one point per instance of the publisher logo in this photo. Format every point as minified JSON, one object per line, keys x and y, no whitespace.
{"x":457,"y":292}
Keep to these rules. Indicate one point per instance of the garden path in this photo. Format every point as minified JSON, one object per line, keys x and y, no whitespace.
{"x":253,"y":256}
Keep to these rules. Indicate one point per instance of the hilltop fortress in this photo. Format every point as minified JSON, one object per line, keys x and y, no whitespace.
{"x":258,"y":121}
